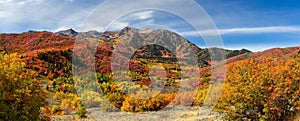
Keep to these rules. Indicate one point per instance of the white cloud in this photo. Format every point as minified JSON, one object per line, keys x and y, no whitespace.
{"x":143,"y":24}
{"x":73,"y":20}
{"x":6,"y":1}
{"x":118,"y":25}
{"x":259,"y":30}
{"x":61,"y":28}
{"x":251,"y":30}
{"x":141,"y":15}
{"x":19,"y":2}
{"x":14,"y":13}
{"x":4,"y":14}
{"x":135,"y":19}
{"x":113,"y":9}
{"x":24,"y":15}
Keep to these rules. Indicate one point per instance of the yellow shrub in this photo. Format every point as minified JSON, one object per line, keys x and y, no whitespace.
{"x":201,"y":94}
{"x":138,"y":104}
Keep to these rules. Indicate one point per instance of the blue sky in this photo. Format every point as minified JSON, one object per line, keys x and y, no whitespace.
{"x":252,"y":24}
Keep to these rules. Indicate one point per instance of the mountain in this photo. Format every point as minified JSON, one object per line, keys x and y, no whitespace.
{"x":31,"y":44}
{"x":68,"y":33}
{"x":275,"y":53}
{"x":106,"y":36}
{"x":33,"y":41}
{"x":132,"y":35}
{"x":172,"y":41}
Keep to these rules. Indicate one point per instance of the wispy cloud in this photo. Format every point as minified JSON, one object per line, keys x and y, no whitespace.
{"x":24,"y":15}
{"x":118,"y":25}
{"x":186,"y":10}
{"x":142,"y":15}
{"x":256,"y":47}
{"x":136,"y":19}
{"x":19,"y":2}
{"x":251,"y":30}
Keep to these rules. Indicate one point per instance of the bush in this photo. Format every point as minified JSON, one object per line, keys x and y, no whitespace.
{"x":184,"y":98}
{"x":36,"y":68}
{"x":261,"y":90}
{"x":56,"y":110}
{"x":201,"y":94}
{"x":136,"y":104}
{"x":81,"y":112}
{"x":21,"y":95}
{"x":91,"y":99}
{"x":107,"y":106}
{"x":116,"y":98}
{"x":129,"y":87}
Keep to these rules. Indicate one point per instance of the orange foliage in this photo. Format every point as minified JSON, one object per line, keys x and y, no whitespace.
{"x":261,"y":90}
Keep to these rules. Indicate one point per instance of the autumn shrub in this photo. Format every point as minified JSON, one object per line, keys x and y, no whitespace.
{"x":36,"y":68}
{"x":201,"y":94}
{"x":106,"y":106}
{"x":261,"y":90}
{"x":142,"y":102}
{"x":91,"y":99}
{"x":116,"y":98}
{"x":110,"y":101}
{"x":183,"y":98}
{"x":59,"y":96}
{"x":21,"y":94}
{"x":81,"y":112}
{"x":169,"y":97}
{"x":56,"y":110}
{"x":128,"y":87}
{"x":69,"y":103}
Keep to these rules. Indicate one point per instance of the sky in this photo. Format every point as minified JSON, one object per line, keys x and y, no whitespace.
{"x":256,"y":25}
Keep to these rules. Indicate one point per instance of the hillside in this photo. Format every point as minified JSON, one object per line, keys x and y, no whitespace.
{"x":276,"y":53}
{"x":30,"y":43}
{"x":50,"y":55}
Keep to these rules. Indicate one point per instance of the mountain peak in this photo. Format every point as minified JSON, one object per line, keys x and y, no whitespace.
{"x":128,"y":29}
{"x":146,"y":31}
{"x":69,"y":32}
{"x":135,"y":30}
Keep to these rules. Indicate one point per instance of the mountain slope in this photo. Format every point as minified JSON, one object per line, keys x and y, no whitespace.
{"x":31,"y":43}
{"x":275,"y":53}
{"x":172,"y":41}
